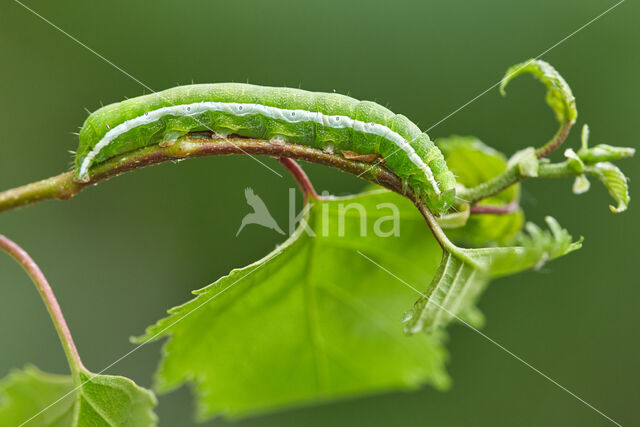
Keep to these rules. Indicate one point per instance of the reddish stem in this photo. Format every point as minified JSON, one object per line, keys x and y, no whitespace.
{"x":495,"y":209}
{"x":64,"y":186}
{"x":34,"y":272}
{"x":557,"y":140}
{"x":301,"y":178}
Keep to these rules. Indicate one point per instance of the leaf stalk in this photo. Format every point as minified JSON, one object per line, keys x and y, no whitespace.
{"x":50,"y":301}
{"x":306,"y":187}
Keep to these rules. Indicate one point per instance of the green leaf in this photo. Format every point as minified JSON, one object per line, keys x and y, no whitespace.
{"x":473,"y":162}
{"x":527,"y":162}
{"x":455,"y":219}
{"x":581,"y":185}
{"x":559,"y":96}
{"x":616,"y":183}
{"x":453,"y":291}
{"x":488,"y":230}
{"x":605,"y":153}
{"x":595,"y":161}
{"x":313,"y":320}
{"x":314,"y":312}
{"x":25,"y":393}
{"x":536,"y":247}
{"x":601,"y":152}
{"x":574,"y":162}
{"x":464,"y":273}
{"x":114,"y":400}
{"x":102,"y":400}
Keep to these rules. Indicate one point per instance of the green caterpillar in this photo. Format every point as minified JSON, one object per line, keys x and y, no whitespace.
{"x":326,"y":121}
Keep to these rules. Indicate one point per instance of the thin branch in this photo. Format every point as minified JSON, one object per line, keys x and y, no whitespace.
{"x":64,"y":186}
{"x":436,"y":230}
{"x":34,"y":272}
{"x":61,"y":187}
{"x":512,"y":175}
{"x":308,"y":191}
{"x":556,"y":141}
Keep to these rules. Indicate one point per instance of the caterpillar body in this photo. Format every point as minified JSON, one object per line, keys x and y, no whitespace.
{"x":327,"y":121}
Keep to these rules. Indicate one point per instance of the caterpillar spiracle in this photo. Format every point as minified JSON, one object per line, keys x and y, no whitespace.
{"x":326,"y":121}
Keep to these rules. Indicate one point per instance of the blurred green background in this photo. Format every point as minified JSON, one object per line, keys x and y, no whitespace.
{"x":119,"y":255}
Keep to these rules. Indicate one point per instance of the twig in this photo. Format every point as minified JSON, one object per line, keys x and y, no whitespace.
{"x":512,"y":175}
{"x":64,"y":186}
{"x":556,"y":141}
{"x":436,"y":230}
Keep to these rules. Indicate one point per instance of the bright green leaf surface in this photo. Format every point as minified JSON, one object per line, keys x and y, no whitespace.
{"x":25,"y":393}
{"x":102,"y":400}
{"x":114,"y":401}
{"x":313,"y":320}
{"x":488,"y":230}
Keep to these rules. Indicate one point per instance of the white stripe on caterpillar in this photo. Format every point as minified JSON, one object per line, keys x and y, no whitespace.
{"x":237,"y":109}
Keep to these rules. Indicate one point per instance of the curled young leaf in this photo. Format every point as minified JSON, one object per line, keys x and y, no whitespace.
{"x":616,"y":183}
{"x":559,"y":96}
